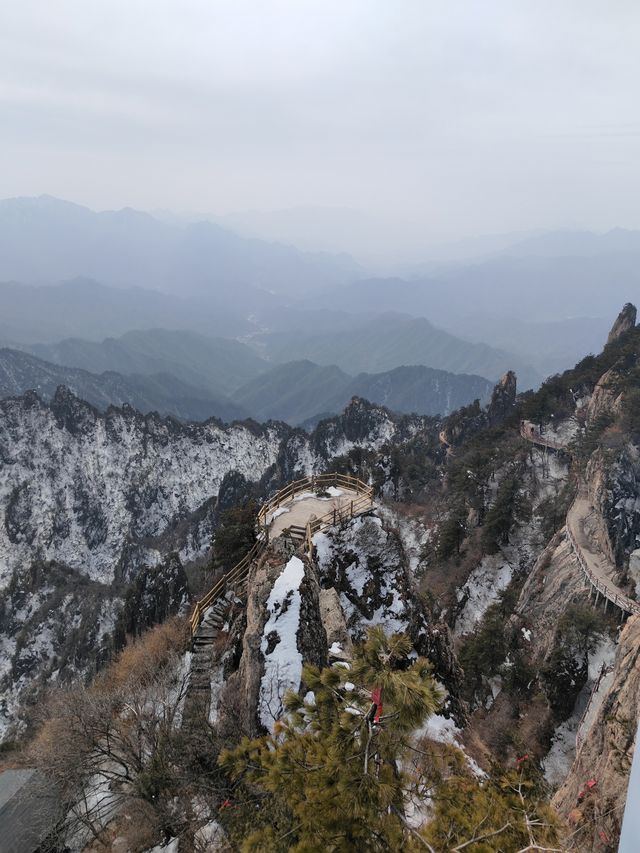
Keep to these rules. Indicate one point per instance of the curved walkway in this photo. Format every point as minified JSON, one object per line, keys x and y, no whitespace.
{"x":532,"y":434}
{"x":596,"y":567}
{"x":338,"y":497}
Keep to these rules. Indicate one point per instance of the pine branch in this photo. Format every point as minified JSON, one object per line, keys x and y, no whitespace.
{"x":478,"y":838}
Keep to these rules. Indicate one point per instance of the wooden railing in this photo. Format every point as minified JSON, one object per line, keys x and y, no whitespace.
{"x":609,"y":592}
{"x":529,"y":432}
{"x":237,"y":576}
{"x":312,"y":484}
{"x":338,"y":515}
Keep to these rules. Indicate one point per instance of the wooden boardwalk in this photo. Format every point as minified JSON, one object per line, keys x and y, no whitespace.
{"x":596,"y":566}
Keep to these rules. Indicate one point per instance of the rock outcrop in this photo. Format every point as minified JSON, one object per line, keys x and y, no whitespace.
{"x":625,"y":320}
{"x":283,"y":631}
{"x":606,"y":398}
{"x":503,"y":399}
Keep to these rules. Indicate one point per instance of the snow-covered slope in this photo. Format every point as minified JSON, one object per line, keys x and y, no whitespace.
{"x":93,"y":503}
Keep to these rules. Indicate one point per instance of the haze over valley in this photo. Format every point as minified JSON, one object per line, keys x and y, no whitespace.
{"x":203,"y":311}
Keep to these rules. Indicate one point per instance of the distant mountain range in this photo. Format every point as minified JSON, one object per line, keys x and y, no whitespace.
{"x":222,"y":366}
{"x":217,"y":365}
{"x":160,"y":392}
{"x":83,"y":307}
{"x":392,"y":340}
{"x":297,"y":392}
{"x":129,"y":248}
{"x":130,"y":293}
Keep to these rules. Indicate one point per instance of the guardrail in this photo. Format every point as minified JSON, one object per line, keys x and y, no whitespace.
{"x":236,"y":576}
{"x":233,"y":578}
{"x":610,"y":593}
{"x":312,"y":484}
{"x":535,"y":437}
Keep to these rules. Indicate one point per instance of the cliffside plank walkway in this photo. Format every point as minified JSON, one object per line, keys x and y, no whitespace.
{"x":596,"y":567}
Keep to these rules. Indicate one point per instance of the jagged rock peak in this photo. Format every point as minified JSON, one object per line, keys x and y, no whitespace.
{"x":625,"y":320}
{"x":503,"y":398}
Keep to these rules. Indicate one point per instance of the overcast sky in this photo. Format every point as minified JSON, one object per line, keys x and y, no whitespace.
{"x":460,"y":118}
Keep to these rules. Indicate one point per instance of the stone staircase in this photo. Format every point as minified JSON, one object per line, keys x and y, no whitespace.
{"x":198,"y":697}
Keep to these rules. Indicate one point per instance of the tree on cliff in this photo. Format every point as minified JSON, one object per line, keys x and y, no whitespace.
{"x":235,"y":536}
{"x":330,"y":777}
{"x":339,"y":773}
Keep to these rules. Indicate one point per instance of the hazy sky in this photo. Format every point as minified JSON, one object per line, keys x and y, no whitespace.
{"x":459,"y":117}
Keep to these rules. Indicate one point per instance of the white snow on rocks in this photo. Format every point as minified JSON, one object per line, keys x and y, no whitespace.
{"x":282,"y":660}
{"x":481,"y":590}
{"x":413,"y":533}
{"x":371,"y":582}
{"x":78,"y":494}
{"x":443,"y":730}
{"x":559,"y":759}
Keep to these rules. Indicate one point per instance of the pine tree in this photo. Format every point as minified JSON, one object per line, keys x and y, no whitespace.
{"x":509,"y":812}
{"x":329,"y":777}
{"x":235,"y":536}
{"x":452,"y":532}
{"x":502,"y":514}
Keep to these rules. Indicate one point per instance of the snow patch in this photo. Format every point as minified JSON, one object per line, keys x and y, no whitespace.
{"x":483,"y":586}
{"x":444,"y":730}
{"x":283,"y":661}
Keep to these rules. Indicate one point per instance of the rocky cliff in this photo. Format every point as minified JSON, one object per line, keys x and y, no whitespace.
{"x":311,"y":610}
{"x":625,"y":321}
{"x":592,"y":797}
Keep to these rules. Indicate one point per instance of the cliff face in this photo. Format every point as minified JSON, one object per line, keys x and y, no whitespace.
{"x":503,"y":399}
{"x":606,"y":399}
{"x":110,"y":509}
{"x":606,"y":754}
{"x":311,"y":611}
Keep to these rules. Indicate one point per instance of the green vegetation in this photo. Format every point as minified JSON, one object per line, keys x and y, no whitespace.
{"x":553,"y":509}
{"x":508,"y":506}
{"x":328,"y":778}
{"x":556,"y":395}
{"x":566,"y":668}
{"x":235,"y":536}
{"x":483,"y":654}
{"x":452,"y":532}
{"x":631,"y":412}
{"x":510,"y":811}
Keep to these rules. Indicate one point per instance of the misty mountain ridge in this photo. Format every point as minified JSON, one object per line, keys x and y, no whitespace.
{"x":32,"y":314}
{"x":391,"y":340}
{"x":130,"y":248}
{"x":218,"y":365}
{"x":160,"y":392}
{"x":297,"y":392}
